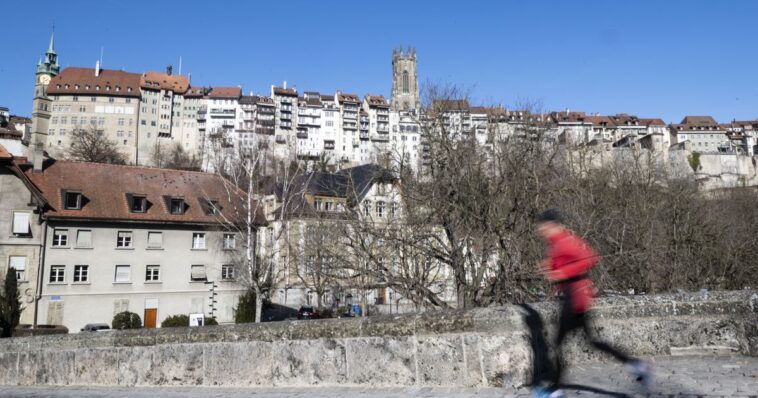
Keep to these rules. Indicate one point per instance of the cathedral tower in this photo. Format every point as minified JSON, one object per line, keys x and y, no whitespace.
{"x":41,"y":106}
{"x":405,"y":95}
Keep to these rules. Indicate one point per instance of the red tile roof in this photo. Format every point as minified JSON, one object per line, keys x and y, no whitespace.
{"x":105,"y":189}
{"x":377,"y":101}
{"x":225,"y":92}
{"x":344,"y":97}
{"x":288,"y":92}
{"x":82,"y":81}
{"x":157,"y":81}
{"x":653,"y":122}
{"x":4,"y":154}
{"x":197,"y":92}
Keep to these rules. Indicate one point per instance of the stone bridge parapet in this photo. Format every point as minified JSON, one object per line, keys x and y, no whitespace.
{"x":472,"y":348}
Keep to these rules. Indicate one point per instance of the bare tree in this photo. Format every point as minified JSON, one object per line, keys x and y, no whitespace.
{"x":249,"y":176}
{"x":90,"y":145}
{"x":174,"y":156}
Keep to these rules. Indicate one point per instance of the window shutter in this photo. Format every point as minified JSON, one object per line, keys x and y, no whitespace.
{"x":21,"y":223}
{"x":84,"y":238}
{"x":198,"y":273}
{"x":123,"y":273}
{"x":155,"y":239}
{"x":120,"y":305}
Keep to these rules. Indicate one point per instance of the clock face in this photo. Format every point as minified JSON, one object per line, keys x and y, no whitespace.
{"x":44,"y":79}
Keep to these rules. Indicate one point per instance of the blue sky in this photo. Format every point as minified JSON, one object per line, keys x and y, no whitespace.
{"x":657,"y":58}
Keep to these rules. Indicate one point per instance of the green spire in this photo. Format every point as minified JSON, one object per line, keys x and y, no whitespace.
{"x":51,"y":48}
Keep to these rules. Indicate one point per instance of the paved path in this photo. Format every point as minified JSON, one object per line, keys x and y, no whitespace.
{"x":675,"y":376}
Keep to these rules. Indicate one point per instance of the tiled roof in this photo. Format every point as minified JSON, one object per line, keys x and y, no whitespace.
{"x":377,"y":101}
{"x":451,"y":105}
{"x":82,"y":81}
{"x":106,"y":189}
{"x":290,"y":92}
{"x":197,"y":92}
{"x":163,"y":81}
{"x":4,"y":154}
{"x":653,"y":122}
{"x":225,"y":92}
{"x":697,"y":123}
{"x":344,"y":97}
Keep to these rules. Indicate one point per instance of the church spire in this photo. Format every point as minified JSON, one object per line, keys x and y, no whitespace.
{"x":51,"y":48}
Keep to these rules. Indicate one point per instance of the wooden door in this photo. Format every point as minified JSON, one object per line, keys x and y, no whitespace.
{"x":150,"y":316}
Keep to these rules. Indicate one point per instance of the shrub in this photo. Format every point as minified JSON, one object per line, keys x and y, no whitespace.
{"x":126,"y":320}
{"x":325,"y":312}
{"x":10,"y":304}
{"x":211,"y":321}
{"x":245,"y":311}
{"x":175,"y":321}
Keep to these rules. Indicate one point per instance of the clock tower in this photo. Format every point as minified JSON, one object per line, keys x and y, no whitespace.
{"x":42,"y":104}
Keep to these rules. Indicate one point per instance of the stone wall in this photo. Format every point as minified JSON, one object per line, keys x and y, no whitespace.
{"x":481,"y":347}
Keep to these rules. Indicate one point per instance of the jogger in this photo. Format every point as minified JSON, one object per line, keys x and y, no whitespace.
{"x":567,"y":265}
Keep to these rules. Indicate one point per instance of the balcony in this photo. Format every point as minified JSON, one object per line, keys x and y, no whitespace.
{"x":223,"y":112}
{"x":380,"y":138}
{"x":356,"y":143}
{"x":329,"y":145}
{"x":280,"y":139}
{"x":227,"y":124}
{"x":265,"y":130}
{"x":302,"y":134}
{"x":364,"y":135}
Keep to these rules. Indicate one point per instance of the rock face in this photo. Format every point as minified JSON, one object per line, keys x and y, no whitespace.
{"x":479,"y":347}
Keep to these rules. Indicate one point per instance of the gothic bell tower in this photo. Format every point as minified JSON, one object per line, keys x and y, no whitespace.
{"x":405,"y":96}
{"x":47,"y":68}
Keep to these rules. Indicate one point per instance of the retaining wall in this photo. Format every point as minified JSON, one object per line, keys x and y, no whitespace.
{"x":481,"y":347}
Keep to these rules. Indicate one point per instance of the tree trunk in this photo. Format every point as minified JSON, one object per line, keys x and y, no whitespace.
{"x":258,"y":305}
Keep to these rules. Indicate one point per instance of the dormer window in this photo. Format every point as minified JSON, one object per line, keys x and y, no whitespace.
{"x":72,"y":200}
{"x":176,"y":205}
{"x":138,"y":203}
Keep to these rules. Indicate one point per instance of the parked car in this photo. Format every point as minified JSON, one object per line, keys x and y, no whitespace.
{"x":347,"y":315}
{"x":307,"y":313}
{"x":96,"y":327}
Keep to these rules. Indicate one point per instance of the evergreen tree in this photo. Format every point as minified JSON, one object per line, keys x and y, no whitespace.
{"x":10,"y":304}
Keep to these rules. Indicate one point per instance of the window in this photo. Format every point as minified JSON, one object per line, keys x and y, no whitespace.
{"x":227,"y":272}
{"x":123,"y":274}
{"x":198,"y":240}
{"x":406,"y":84}
{"x":139,"y":204}
{"x":177,"y":206}
{"x":21,"y":223}
{"x":393,"y":209}
{"x":18,"y":263}
{"x":84,"y":238}
{"x":124,"y":239}
{"x":197,"y":273}
{"x":367,"y":208}
{"x":229,"y":242}
{"x":81,"y":273}
{"x":57,"y":273}
{"x":60,"y":238}
{"x":154,"y":240}
{"x":73,"y":200}
{"x":380,"y":209}
{"x":153,"y":273}
{"x":317,"y":203}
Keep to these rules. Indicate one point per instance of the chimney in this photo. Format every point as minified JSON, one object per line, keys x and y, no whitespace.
{"x":285,"y":85}
{"x":189,"y":78}
{"x":567,"y":111}
{"x":38,"y":158}
{"x":97,"y":68}
{"x":169,"y":70}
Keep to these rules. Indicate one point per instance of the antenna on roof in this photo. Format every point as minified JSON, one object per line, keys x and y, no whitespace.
{"x":180,"y":65}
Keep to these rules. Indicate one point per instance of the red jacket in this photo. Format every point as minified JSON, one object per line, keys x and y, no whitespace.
{"x":574,"y":258}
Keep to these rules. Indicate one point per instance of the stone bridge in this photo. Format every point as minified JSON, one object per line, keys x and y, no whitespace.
{"x":478,"y":348}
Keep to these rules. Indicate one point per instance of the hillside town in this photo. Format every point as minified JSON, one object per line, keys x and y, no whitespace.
{"x":90,"y":240}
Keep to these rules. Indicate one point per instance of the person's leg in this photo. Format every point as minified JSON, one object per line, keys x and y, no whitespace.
{"x":586,"y":321}
{"x":641,"y":369}
{"x":566,"y":323}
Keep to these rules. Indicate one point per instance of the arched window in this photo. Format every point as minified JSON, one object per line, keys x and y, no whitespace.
{"x":406,"y":84}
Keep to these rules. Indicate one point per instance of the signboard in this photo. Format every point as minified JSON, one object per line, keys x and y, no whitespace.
{"x":55,"y":298}
{"x":357,"y":309}
{"x":197,"y":319}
